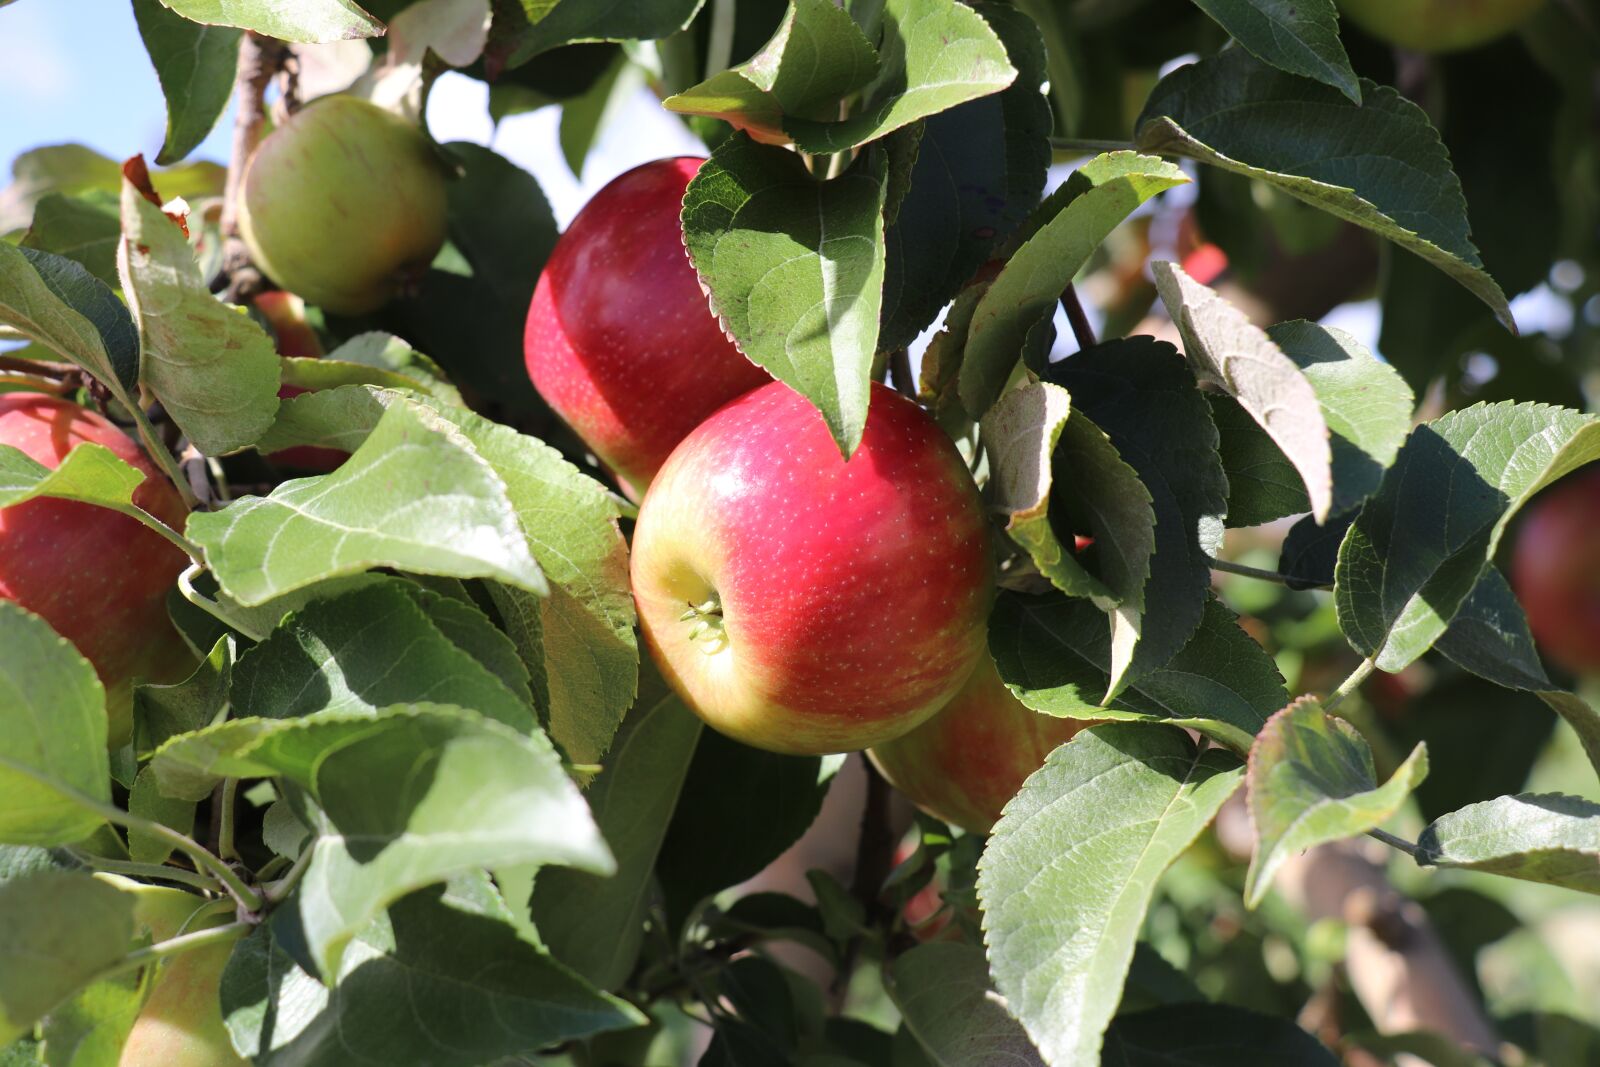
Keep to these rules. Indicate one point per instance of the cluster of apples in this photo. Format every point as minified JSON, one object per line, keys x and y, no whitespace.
{"x":797,"y":601}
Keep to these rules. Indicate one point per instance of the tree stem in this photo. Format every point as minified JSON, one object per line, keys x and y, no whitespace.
{"x":259,"y":60}
{"x":227,"y":797}
{"x":172,"y":947}
{"x":1072,"y":147}
{"x":1254,"y":572}
{"x":147,"y":870}
{"x":1394,"y":842}
{"x":211,"y":607}
{"x":900,"y":373}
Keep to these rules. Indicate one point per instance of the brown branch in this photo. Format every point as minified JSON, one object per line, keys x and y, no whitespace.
{"x":58,"y":371}
{"x":1081,"y":329}
{"x":900,"y":373}
{"x":260,"y":58}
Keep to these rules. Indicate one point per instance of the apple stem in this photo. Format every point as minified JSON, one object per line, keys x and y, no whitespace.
{"x":1349,"y":685}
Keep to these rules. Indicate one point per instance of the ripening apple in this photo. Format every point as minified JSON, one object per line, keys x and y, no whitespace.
{"x":805,"y":604}
{"x":99,"y":579}
{"x":295,"y":336}
{"x":1438,"y":25}
{"x":180,"y":1023}
{"x":620,"y":340}
{"x":344,"y":204}
{"x":966,"y":762}
{"x":1555,"y":570}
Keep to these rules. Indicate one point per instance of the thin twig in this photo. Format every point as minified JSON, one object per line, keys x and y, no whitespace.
{"x":279,"y":890}
{"x":260,"y":58}
{"x":171,"y":947}
{"x":157,"y":871}
{"x":53,"y":386}
{"x":1259,"y":573}
{"x":1349,"y":685}
{"x":1081,"y":329}
{"x":1072,"y":147}
{"x":59,"y":371}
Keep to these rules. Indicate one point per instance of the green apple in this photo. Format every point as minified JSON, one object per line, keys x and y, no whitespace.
{"x":805,"y":604}
{"x":966,"y":762}
{"x":344,"y":204}
{"x":1438,"y":25}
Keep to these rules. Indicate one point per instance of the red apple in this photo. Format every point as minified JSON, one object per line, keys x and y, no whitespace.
{"x":1555,"y":569}
{"x":344,"y":204}
{"x":803,"y":604}
{"x":100,"y":579}
{"x":180,"y":1024}
{"x":620,"y":341}
{"x":1438,"y":25}
{"x":295,"y":336}
{"x":966,"y":762}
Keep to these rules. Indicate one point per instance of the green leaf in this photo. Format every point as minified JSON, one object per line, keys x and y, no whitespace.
{"x":596,"y":925}
{"x":415,"y":496}
{"x":1211,"y":1035}
{"x":794,"y":268}
{"x":1072,"y":865}
{"x":58,"y":931}
{"x":1097,"y":197}
{"x":1311,"y":781}
{"x":817,"y":57}
{"x":978,"y":171}
{"x":161,"y":712}
{"x":1489,"y":636}
{"x":553,"y":23}
{"x":214,"y":370}
{"x":712,"y":844}
{"x":55,"y":302}
{"x":1582,"y":717}
{"x":367,"y":649}
{"x":943,"y":993}
{"x":407,"y":796}
{"x":74,"y":170}
{"x":597,"y":108}
{"x":1143,"y":395}
{"x":1299,"y":36}
{"x":90,"y":473}
{"x":1055,"y":654}
{"x":386,"y":352}
{"x":1232,"y":111}
{"x":1402,"y":573}
{"x":501,"y":223}
{"x":196,"y":66}
{"x":1538,"y":837}
{"x":1263,"y":485}
{"x":429,"y":953}
{"x":52,"y":715}
{"x":82,"y":228}
{"x":145,"y":800}
{"x":304,"y":22}
{"x":1039,"y":454}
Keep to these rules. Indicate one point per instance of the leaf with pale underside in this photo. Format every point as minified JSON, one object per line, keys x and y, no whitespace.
{"x":406,"y":796}
{"x":1111,"y":809}
{"x":1055,"y":654}
{"x":214,"y":370}
{"x":1379,"y":165}
{"x":1538,"y":837}
{"x":53,"y":719}
{"x":304,"y":22}
{"x":1402,"y":573}
{"x":1312,"y":781}
{"x":414,"y":496}
{"x":1102,"y":193}
{"x":1230,"y":352}
{"x":1582,"y":717}
{"x":1040,"y":451}
{"x":794,"y":268}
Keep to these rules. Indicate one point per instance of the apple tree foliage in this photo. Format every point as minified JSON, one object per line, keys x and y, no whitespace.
{"x":455,"y":818}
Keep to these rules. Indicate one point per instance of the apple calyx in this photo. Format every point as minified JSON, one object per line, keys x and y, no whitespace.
{"x":707,"y":629}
